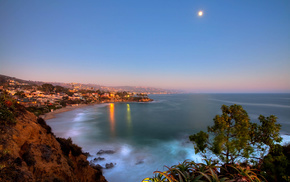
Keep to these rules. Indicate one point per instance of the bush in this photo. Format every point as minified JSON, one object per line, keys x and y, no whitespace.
{"x":7,"y":116}
{"x":76,"y":150}
{"x":4,"y":155}
{"x":18,"y":161}
{"x":9,"y":110}
{"x":276,"y":165}
{"x":191,"y":171}
{"x":28,"y":157}
{"x":46,"y":152}
{"x":83,"y":163}
{"x":38,"y":110}
{"x":44,"y":125}
{"x":67,"y":146}
{"x":11,"y":174}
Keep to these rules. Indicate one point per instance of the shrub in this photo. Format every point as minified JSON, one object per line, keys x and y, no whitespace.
{"x":83,"y":163}
{"x":11,"y":174}
{"x":44,"y":125}
{"x":28,"y":157}
{"x":276,"y":165}
{"x":7,"y":116}
{"x":67,"y":146}
{"x":76,"y":150}
{"x":46,"y":152}
{"x":9,"y":110}
{"x":18,"y":161}
{"x":191,"y":171}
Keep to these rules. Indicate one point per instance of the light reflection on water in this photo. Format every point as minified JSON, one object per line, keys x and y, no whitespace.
{"x":112,"y":119}
{"x":129,"y":120}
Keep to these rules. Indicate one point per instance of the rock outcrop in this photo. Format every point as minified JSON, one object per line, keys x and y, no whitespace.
{"x":29,"y":151}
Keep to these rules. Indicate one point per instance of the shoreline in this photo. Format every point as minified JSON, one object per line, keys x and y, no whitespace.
{"x":51,"y":115}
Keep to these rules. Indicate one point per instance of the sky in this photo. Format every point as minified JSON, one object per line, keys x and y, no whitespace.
{"x":236,"y":46}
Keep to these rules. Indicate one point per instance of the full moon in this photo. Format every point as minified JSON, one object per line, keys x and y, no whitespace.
{"x":200,"y":13}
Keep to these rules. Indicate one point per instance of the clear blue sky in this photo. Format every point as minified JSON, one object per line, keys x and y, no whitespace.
{"x":236,"y":46}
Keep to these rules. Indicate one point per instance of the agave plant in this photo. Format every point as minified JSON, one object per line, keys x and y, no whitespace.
{"x":160,"y":177}
{"x":245,"y":174}
{"x":189,"y":171}
{"x":213,"y":176}
{"x":184,"y":172}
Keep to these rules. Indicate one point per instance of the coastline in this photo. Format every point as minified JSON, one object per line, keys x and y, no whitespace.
{"x":51,"y":115}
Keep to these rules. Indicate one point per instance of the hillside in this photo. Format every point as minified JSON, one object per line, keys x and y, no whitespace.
{"x":29,"y":151}
{"x":148,"y":90}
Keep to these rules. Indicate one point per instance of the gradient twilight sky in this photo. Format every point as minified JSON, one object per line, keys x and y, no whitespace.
{"x":236,"y":46}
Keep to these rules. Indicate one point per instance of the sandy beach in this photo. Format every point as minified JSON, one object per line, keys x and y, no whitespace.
{"x":51,"y":115}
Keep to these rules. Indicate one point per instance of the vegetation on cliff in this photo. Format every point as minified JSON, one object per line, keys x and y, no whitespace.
{"x":9,"y":110}
{"x":29,"y":151}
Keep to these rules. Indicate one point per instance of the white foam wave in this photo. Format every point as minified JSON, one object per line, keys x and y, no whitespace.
{"x":131,"y":159}
{"x":286,"y":139}
{"x":79,"y":117}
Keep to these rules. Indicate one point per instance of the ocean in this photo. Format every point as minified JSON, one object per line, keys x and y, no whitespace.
{"x":149,"y":136}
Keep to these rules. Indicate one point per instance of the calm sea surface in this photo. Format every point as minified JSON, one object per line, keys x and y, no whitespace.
{"x":147,"y":136}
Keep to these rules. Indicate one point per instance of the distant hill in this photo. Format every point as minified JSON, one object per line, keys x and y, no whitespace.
{"x":4,"y":79}
{"x":149,"y":90}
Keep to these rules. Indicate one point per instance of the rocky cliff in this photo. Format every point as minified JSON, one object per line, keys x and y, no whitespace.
{"x":29,"y":151}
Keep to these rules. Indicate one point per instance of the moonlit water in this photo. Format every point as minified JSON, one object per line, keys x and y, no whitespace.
{"x":147,"y":136}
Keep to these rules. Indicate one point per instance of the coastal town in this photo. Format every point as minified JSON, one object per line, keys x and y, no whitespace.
{"x":46,"y":97}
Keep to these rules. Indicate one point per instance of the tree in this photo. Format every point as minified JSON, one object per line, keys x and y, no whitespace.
{"x":276,"y":165}
{"x":234,"y":137}
{"x":47,"y":87}
{"x":60,"y":89}
{"x":20,"y":94}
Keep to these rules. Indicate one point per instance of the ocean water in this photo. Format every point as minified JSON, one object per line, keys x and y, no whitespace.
{"x":149,"y":136}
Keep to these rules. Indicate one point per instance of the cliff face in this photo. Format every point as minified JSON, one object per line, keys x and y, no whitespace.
{"x":30,"y":152}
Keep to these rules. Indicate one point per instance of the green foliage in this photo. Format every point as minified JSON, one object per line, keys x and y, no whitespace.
{"x":200,"y":140}
{"x":67,"y":146}
{"x":38,"y":110}
{"x":234,"y":137}
{"x":276,"y":165}
{"x":9,"y":110}
{"x":122,"y":94}
{"x":268,"y":132}
{"x":47,"y":88}
{"x":189,"y":171}
{"x":60,"y":89}
{"x":20,"y":94}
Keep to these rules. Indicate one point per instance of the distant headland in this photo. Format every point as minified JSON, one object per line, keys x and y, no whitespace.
{"x":45,"y":97}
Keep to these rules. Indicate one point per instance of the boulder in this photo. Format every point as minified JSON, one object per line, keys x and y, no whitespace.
{"x":109,"y":165}
{"x":106,"y":152}
{"x":99,"y":159}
